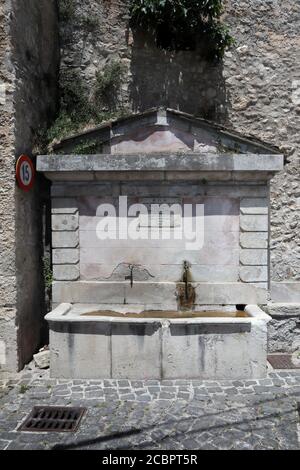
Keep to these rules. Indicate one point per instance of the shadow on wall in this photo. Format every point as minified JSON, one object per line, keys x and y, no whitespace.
{"x":179,"y":80}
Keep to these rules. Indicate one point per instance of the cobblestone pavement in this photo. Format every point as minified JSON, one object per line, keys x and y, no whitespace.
{"x":175,"y":415}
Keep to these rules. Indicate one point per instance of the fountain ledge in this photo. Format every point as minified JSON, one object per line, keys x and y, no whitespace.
{"x":180,"y":165}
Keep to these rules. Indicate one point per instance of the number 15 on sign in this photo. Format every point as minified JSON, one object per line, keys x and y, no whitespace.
{"x":25,"y":173}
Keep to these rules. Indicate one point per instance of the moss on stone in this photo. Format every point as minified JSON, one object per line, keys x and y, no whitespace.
{"x":80,"y":109}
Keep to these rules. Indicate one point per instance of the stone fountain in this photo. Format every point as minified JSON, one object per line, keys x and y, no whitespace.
{"x":157,"y":308}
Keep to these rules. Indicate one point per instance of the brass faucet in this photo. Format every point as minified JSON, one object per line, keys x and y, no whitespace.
{"x":130,"y":277}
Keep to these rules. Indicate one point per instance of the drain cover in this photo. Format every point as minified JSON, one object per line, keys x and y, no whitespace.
{"x":281,"y":361}
{"x":53,"y":419}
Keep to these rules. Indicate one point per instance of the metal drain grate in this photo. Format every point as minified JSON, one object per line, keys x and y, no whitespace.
{"x":281,"y":361}
{"x":53,"y":419}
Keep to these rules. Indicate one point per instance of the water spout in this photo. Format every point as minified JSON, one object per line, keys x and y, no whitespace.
{"x":130,"y":277}
{"x":186,"y":294}
{"x":185,"y":278}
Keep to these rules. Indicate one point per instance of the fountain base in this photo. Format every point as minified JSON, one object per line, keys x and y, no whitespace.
{"x":88,"y":342}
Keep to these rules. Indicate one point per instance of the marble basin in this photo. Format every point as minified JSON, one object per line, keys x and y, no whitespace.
{"x":89,"y":342}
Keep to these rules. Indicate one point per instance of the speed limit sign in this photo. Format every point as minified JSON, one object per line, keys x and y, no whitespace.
{"x":25,"y":172}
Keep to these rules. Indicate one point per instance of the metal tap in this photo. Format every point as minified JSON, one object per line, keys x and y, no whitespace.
{"x":185,"y":278}
{"x":130,"y":277}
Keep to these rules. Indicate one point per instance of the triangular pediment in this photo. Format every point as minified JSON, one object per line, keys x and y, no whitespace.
{"x":161,"y":131}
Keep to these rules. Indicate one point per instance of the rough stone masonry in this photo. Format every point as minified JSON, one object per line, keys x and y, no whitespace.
{"x":28,"y":68}
{"x":255,"y":90}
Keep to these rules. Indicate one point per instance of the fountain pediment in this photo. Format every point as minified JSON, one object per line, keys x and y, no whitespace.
{"x":161,"y":144}
{"x":164,"y":131}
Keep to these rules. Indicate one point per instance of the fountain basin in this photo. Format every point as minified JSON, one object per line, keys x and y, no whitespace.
{"x":89,"y":342}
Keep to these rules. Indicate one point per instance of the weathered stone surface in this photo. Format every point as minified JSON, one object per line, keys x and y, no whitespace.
{"x":87,"y":292}
{"x":254,"y":223}
{"x":164,"y":131}
{"x":73,"y":351}
{"x":71,"y":190}
{"x":288,"y":292}
{"x":254,"y":257}
{"x":9,"y":346}
{"x":208,"y":255}
{"x":8,"y":286}
{"x":254,"y":273}
{"x":266,"y":61}
{"x":28,"y":68}
{"x":201,"y":273}
{"x":74,"y":164}
{"x":214,"y":348}
{"x":229,"y":293}
{"x":65,"y":222}
{"x":42,"y":359}
{"x":282,"y":335}
{"x":207,"y":415}
{"x":64,"y":206}
{"x":137,"y":340}
{"x":65,"y":256}
{"x":284,"y":329}
{"x":160,"y":259}
{"x":65,"y":239}
{"x":256,"y":86}
{"x":198,"y":349}
{"x":66,"y":272}
{"x":283,"y":310}
{"x":156,"y":294}
{"x":254,"y":206}
{"x":261,"y":285}
{"x":254,"y":240}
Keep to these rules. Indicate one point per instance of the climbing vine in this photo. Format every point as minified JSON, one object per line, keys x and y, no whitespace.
{"x":174,"y":24}
{"x":79,"y":108}
{"x":47,"y":271}
{"x":183,"y":24}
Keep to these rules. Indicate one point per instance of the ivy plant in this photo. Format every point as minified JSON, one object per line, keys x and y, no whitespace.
{"x":183,"y":24}
{"x":80,"y":108}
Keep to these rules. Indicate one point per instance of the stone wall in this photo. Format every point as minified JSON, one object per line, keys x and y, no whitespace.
{"x":256,"y":90}
{"x":284,"y":329}
{"x":28,"y":81}
{"x":262,"y":78}
{"x":8,"y":279}
{"x":154,"y":77}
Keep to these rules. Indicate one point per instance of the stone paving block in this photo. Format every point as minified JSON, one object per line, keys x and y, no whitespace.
{"x":247,"y":416}
{"x":94,"y":395}
{"x":3,"y":444}
{"x":183,"y":395}
{"x":167,"y":396}
{"x":128,"y":396}
{"x":143,"y":398}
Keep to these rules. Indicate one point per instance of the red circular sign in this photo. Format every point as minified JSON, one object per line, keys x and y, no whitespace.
{"x":25,"y":172}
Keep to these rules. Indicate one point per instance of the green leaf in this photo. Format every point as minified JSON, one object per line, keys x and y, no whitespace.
{"x":181,"y":24}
